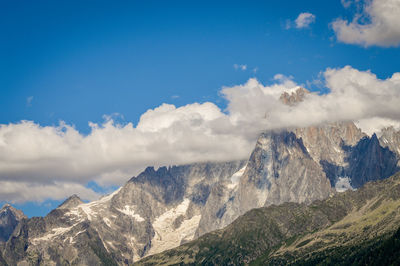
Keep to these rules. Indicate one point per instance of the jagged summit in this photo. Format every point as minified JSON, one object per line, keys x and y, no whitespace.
{"x":294,"y":97}
{"x":71,"y":202}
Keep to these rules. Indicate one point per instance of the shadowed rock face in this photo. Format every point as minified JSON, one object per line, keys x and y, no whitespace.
{"x":9,"y":219}
{"x":369,"y":161}
{"x":364,"y":162}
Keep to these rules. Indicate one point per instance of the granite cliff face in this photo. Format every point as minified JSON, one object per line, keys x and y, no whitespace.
{"x":169,"y":206}
{"x":279,"y":170}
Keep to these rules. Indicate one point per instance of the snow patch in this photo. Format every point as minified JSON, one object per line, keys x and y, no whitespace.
{"x":166,"y":235}
{"x":107,"y":221}
{"x":343,"y":184}
{"x":127,"y":210}
{"x":88,"y":208}
{"x":54,"y":233}
{"x":108,"y":197}
{"x":235,"y":178}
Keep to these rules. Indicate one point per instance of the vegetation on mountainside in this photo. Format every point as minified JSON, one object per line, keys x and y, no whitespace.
{"x":345,"y":228}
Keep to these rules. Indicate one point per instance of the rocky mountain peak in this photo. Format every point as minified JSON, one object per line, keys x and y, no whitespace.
{"x":8,"y":209}
{"x":369,"y":161}
{"x":391,"y":138}
{"x":325,"y":142}
{"x":294,"y":97}
{"x":9,"y":219}
{"x":71,"y":202}
{"x":279,"y":170}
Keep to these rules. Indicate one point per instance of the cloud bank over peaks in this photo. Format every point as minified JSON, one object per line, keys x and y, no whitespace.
{"x":56,"y":161}
{"x":377,"y":24}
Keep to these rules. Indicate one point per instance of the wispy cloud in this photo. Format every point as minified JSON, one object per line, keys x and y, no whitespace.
{"x":29,"y":101}
{"x":239,"y":67}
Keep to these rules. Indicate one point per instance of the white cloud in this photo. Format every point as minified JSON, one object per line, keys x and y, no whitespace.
{"x":346,"y":3}
{"x":304,"y":20}
{"x":29,"y":101}
{"x":239,"y":67}
{"x":49,"y":159}
{"x":375,"y":124}
{"x":20,"y":192}
{"x":377,"y":24}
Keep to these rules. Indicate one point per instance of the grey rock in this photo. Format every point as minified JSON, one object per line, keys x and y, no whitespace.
{"x":71,"y":202}
{"x":391,"y":138}
{"x":9,"y":219}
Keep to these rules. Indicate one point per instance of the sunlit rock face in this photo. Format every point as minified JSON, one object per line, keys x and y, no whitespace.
{"x":280,"y":170}
{"x":390,"y":138}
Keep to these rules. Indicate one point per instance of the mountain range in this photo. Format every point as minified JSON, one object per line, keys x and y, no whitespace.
{"x":300,"y":191}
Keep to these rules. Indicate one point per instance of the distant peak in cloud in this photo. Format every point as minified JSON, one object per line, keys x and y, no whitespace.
{"x":304,"y":20}
{"x":381,"y":29}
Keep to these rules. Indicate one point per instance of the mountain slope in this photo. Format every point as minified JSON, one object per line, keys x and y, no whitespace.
{"x":152,"y":212}
{"x":292,"y":233}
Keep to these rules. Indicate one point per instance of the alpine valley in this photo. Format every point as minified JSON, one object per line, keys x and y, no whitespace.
{"x":321,"y":194}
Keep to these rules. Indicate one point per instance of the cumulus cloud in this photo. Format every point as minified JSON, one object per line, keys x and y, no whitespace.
{"x":375,"y":124}
{"x":377,"y":24}
{"x":20,"y":192}
{"x":304,"y":20}
{"x":55,"y":161}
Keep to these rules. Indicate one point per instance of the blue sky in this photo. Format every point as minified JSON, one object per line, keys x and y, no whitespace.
{"x":76,"y":61}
